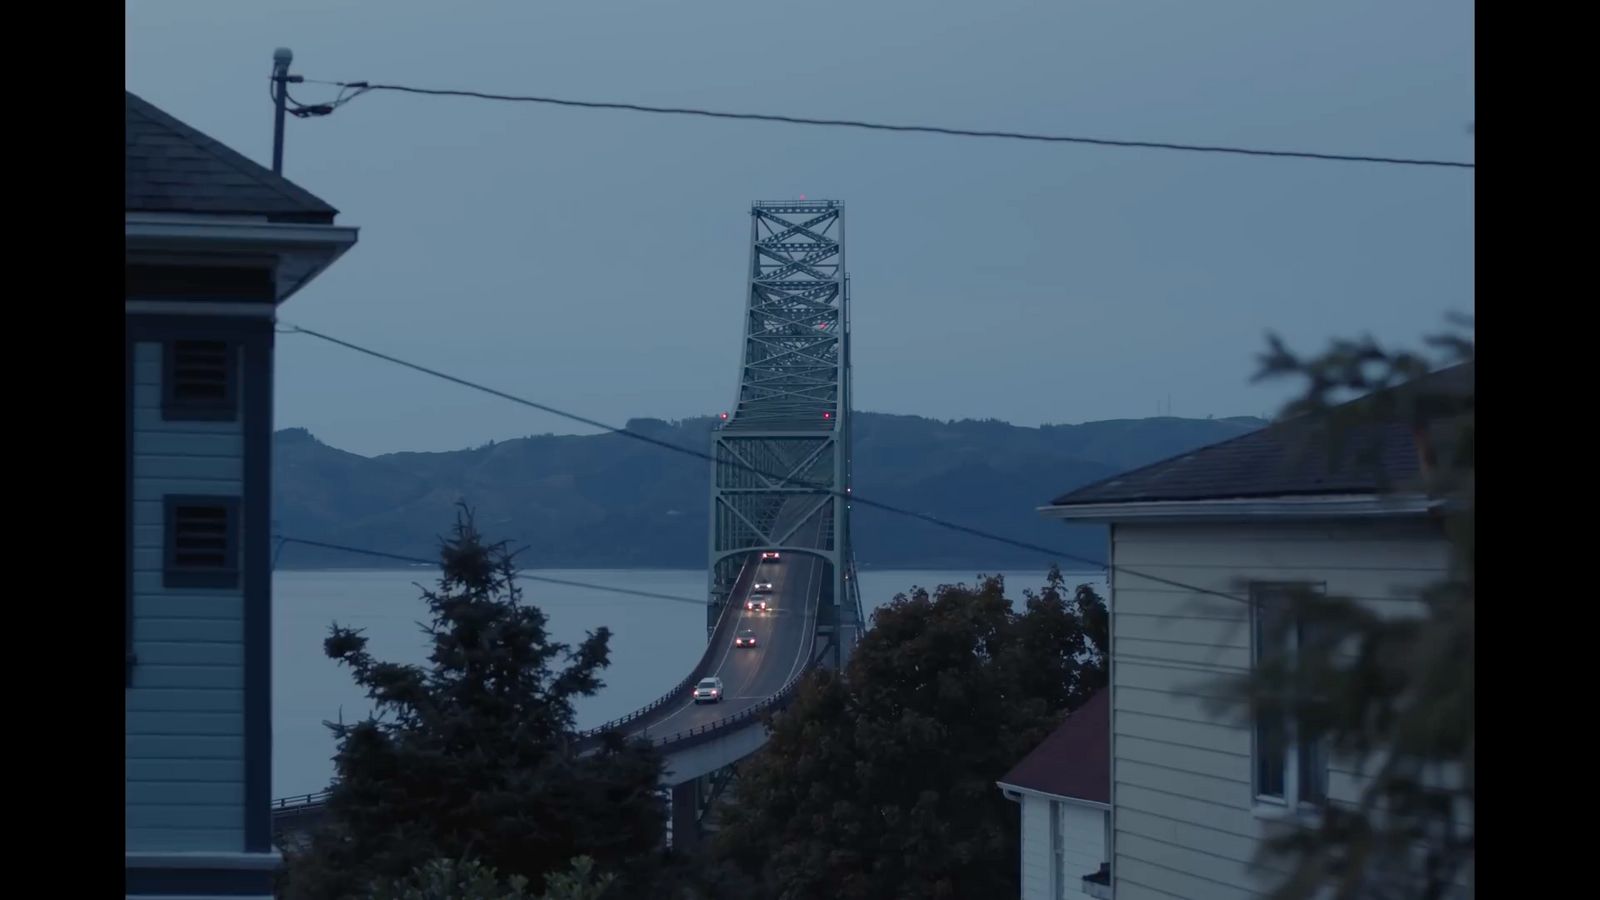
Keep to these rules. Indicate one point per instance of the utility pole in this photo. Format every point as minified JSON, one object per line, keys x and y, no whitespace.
{"x":281,"y":58}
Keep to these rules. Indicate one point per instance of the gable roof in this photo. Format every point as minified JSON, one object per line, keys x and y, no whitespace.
{"x":1074,"y":762}
{"x":1284,"y":459}
{"x":172,"y":168}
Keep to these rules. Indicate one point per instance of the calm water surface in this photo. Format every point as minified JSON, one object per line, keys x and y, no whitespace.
{"x":654,"y":642}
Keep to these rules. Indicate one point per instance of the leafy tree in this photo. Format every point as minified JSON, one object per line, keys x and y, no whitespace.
{"x":880,"y":782}
{"x":1391,"y":694}
{"x":471,"y":756}
{"x":1062,"y":646}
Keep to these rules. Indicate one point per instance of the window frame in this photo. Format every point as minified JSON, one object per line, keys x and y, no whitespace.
{"x":177,"y":409}
{"x":176,"y":576}
{"x":1293,"y":800}
{"x":1058,"y":854}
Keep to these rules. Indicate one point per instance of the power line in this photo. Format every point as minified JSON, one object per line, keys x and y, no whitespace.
{"x":357,"y":88}
{"x":545,"y":579}
{"x":701,"y":455}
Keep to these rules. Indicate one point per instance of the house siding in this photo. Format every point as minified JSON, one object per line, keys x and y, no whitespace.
{"x":1181,"y":779}
{"x":1035,"y":848}
{"x":185,"y":706}
{"x":1083,"y":832}
{"x":198,"y":717}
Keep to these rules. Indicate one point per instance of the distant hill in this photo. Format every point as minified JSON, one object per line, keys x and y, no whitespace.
{"x":607,"y":501}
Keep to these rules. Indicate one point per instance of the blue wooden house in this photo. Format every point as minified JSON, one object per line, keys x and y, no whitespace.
{"x":214,"y":243}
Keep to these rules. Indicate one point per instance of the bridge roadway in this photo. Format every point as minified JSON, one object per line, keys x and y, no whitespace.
{"x":785,"y":637}
{"x":700,"y":738}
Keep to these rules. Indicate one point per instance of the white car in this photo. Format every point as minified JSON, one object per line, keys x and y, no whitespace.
{"x":762,"y":587}
{"x":769,"y":554}
{"x":709,"y":690}
{"x":756,"y":604}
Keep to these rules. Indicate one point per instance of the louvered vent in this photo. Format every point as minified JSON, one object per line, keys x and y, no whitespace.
{"x":200,"y":372}
{"x":202,"y":542}
{"x":200,"y":537}
{"x":200,"y":380}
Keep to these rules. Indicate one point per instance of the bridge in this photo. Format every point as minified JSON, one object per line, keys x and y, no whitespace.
{"x":780,"y":514}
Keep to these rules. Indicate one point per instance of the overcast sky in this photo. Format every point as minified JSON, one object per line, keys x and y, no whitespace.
{"x":595,"y":260}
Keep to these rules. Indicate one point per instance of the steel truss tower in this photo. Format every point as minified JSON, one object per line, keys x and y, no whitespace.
{"x":781,"y":476}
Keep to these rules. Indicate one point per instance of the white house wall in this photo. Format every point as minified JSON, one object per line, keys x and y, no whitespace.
{"x":1181,"y":780}
{"x":1035,"y":848}
{"x":184,"y":727}
{"x":1083,"y":832}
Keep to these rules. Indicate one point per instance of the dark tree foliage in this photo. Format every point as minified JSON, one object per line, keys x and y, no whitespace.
{"x":470,"y":756}
{"x":444,"y":879}
{"x":1393,"y":696}
{"x":880,"y":783}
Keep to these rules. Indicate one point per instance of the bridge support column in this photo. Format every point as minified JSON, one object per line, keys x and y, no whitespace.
{"x":693,"y":811}
{"x":686,"y":815}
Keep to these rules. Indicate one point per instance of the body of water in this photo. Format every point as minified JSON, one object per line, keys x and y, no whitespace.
{"x":654,"y":642}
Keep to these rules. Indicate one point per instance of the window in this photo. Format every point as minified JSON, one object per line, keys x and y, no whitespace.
{"x":200,"y":381}
{"x":1291,"y":765}
{"x":202,"y":542}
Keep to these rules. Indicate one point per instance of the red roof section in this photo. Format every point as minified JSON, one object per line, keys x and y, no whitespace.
{"x":1074,"y":762}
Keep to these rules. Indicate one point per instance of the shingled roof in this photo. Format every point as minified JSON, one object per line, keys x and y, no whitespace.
{"x":1290,"y":458}
{"x":1075,"y":760}
{"x":172,"y":168}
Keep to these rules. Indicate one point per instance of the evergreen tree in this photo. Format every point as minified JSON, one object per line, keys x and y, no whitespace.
{"x":471,"y":756}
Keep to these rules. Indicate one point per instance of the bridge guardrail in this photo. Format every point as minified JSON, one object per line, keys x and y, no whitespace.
{"x":303,"y":801}
{"x":711,"y":730}
{"x":778,"y":701}
{"x":706,"y":732}
{"x":683,"y":687}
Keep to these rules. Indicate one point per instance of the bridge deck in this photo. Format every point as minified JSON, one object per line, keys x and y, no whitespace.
{"x":785,"y":643}
{"x":784,"y":637}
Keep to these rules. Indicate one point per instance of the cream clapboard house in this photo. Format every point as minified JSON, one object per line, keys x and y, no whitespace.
{"x":1063,"y":789}
{"x":1192,"y":794}
{"x":214,"y":242}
